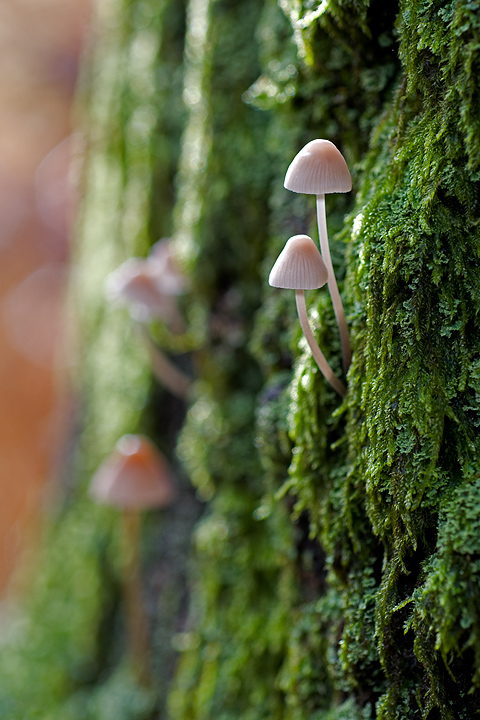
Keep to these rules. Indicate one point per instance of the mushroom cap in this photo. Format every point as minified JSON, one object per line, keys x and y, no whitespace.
{"x":164,"y":268}
{"x":318,"y":169}
{"x":135,"y":476}
{"x":299,"y":266}
{"x":132,"y":284}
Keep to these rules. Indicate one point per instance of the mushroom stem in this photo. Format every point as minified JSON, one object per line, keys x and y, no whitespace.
{"x":137,"y":628}
{"x":173,"y":379}
{"x":320,"y":359}
{"x":332,"y":284}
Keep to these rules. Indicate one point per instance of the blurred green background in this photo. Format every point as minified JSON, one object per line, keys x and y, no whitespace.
{"x":321,"y":560}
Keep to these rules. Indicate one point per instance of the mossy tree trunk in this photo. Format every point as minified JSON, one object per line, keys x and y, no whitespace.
{"x":381,"y":614}
{"x":336,"y":567}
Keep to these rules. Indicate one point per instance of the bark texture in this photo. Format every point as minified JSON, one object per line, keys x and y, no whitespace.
{"x":335,"y":570}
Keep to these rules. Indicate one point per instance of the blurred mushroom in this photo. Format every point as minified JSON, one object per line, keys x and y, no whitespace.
{"x":300,"y":267}
{"x":318,"y":169}
{"x":140,"y":285}
{"x":149,"y":287}
{"x":32,"y":314}
{"x":135,"y":477}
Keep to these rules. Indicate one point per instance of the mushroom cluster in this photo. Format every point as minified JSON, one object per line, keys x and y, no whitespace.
{"x":318,"y":169}
{"x":136,"y":476}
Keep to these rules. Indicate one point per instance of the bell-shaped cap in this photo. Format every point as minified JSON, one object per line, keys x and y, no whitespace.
{"x":318,"y":169}
{"x":148,"y":287}
{"x":299,"y":266}
{"x":164,"y":268}
{"x":132,"y":284}
{"x":135,"y":476}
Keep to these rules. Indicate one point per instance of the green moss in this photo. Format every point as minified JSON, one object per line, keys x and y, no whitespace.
{"x":66,"y":654}
{"x":335,"y":568}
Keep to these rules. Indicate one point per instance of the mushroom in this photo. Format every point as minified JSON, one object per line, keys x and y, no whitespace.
{"x":149,"y":288}
{"x":136,"y":476}
{"x":300,"y":267}
{"x":318,"y":169}
{"x":164,"y":268}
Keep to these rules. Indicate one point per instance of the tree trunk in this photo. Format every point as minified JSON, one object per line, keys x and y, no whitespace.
{"x":336,"y":566}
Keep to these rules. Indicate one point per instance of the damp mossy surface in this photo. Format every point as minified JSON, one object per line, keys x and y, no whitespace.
{"x":334,"y":573}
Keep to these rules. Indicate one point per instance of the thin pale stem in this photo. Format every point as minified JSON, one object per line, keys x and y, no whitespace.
{"x":332,"y":284}
{"x":137,"y":627}
{"x":168,"y":375}
{"x":319,"y":357}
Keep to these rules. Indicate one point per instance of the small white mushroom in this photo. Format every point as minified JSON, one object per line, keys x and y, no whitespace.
{"x":300,"y":267}
{"x":318,"y":169}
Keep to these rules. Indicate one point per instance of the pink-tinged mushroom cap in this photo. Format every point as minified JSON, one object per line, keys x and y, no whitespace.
{"x":164,"y":269}
{"x":299,"y":266}
{"x":136,"y":476}
{"x":135,"y":285}
{"x":318,"y":169}
{"x":149,"y":287}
